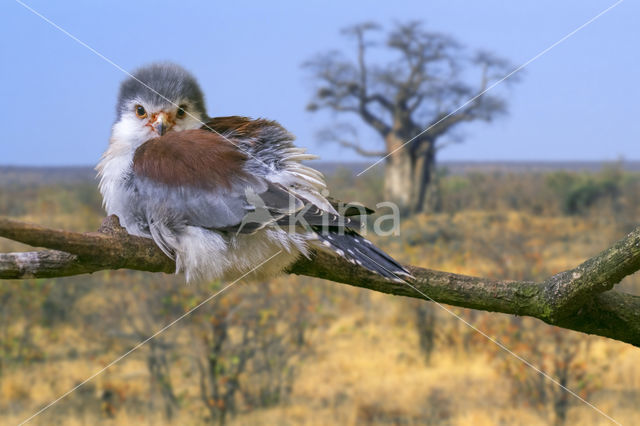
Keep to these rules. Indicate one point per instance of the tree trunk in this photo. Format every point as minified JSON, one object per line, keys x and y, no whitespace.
{"x":398,"y":179}
{"x":426,"y":325}
{"x":409,"y":176}
{"x":427,"y":197}
{"x":160,"y":378}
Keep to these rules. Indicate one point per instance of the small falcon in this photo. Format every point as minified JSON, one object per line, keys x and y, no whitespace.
{"x":221,"y":196}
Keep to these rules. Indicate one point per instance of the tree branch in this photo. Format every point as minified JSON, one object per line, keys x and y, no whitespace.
{"x":382,"y":101}
{"x":334,"y":134}
{"x":357,"y":148}
{"x":347,"y":85}
{"x":109,"y":248}
{"x":578,"y":299}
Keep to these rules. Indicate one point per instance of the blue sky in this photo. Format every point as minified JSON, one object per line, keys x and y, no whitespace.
{"x":577,"y":102}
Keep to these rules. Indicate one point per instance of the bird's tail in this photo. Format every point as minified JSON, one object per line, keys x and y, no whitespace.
{"x":360,"y":251}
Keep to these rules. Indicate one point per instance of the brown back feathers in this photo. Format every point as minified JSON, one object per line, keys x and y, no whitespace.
{"x":194,"y":158}
{"x":237,"y":126}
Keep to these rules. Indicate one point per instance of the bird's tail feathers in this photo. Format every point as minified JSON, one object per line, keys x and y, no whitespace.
{"x":360,"y":251}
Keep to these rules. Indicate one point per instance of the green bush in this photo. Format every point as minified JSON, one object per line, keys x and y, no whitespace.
{"x":578,"y":192}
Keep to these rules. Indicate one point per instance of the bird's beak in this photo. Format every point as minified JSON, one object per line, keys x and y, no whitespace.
{"x":161,"y":125}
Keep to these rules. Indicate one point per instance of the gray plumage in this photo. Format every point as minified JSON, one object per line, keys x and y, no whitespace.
{"x":247,"y":206}
{"x":170,"y":83}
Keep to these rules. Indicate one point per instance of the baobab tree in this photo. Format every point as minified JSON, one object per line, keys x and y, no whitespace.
{"x":411,"y":101}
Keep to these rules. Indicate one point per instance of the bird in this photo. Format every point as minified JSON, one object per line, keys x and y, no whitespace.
{"x":226,"y":196}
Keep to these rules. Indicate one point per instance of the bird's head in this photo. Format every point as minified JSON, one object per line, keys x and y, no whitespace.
{"x":159,"y":98}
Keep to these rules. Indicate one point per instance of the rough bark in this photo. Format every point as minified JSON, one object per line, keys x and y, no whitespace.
{"x":410,"y":174}
{"x":424,"y":172}
{"x":579,"y":299}
{"x":398,"y":178}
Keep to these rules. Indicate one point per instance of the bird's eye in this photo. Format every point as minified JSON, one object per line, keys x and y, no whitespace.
{"x":181,"y":111}
{"x":140,"y":111}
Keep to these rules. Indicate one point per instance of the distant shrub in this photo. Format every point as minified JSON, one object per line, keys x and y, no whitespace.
{"x":578,"y":192}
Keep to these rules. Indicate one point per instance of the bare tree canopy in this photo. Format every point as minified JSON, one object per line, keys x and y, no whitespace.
{"x":577,"y":299}
{"x":415,"y":97}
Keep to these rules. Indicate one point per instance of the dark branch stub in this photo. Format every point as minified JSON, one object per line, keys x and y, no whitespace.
{"x":579,"y":299}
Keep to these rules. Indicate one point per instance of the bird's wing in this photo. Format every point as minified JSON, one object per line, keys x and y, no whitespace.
{"x":199,"y":178}
{"x":272,"y":153}
{"x":239,"y":127}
